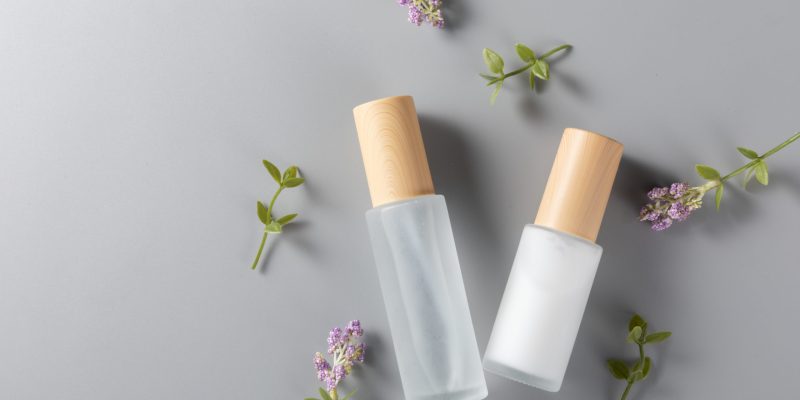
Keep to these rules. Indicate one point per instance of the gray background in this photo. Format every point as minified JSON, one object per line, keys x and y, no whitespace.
{"x":131,"y":139}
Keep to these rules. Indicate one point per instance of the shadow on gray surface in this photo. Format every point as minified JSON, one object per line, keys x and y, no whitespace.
{"x":296,"y":235}
{"x":368,"y":377}
{"x":453,"y":168}
{"x":456,"y":15}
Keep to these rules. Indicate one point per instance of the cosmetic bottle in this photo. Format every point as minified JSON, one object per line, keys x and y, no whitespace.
{"x":555,"y":265}
{"x":415,"y":255}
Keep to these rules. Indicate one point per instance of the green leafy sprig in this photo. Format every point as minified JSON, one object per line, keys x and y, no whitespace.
{"x":333,"y":395}
{"x":288,"y":179}
{"x":537,"y":67}
{"x":757,"y":167}
{"x":637,"y":334}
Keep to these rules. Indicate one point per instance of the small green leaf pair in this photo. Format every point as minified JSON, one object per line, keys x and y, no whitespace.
{"x":328,"y":396}
{"x":637,"y":333}
{"x":288,"y":179}
{"x":536,"y":67}
{"x":758,"y":169}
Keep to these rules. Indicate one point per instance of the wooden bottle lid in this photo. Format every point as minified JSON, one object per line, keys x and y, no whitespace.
{"x":392,"y":149}
{"x":580,"y":183}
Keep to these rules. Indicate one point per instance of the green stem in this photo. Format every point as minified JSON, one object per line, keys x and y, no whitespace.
{"x":260,"y":249}
{"x":627,"y":390}
{"x":530,"y":64}
{"x":555,"y":50}
{"x":762,"y":157}
{"x":269,"y":220}
{"x":334,"y":394}
{"x":272,"y":203}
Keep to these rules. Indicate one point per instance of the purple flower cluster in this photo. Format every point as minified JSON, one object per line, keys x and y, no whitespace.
{"x":424,"y":10}
{"x":345,"y":352}
{"x":673,"y":203}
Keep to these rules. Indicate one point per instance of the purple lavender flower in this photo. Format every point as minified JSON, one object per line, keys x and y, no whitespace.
{"x":669,"y":204}
{"x":345,"y":353}
{"x":424,"y":10}
{"x":414,"y":15}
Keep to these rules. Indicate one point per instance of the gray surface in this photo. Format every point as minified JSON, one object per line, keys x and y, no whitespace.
{"x":131,"y":135}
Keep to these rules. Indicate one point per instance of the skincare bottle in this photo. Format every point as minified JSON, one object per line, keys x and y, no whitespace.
{"x":415,"y":255}
{"x":555,"y":265}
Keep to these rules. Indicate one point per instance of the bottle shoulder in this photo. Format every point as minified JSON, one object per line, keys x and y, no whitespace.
{"x":568,"y":237}
{"x":419,"y":200}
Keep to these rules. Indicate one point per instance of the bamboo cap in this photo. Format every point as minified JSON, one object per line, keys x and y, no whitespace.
{"x":580,"y":183}
{"x":392,"y":149}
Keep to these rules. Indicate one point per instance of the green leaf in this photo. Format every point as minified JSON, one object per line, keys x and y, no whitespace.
{"x":648,"y":363}
{"x":635,"y":334}
{"x":292,"y":182}
{"x":636,"y":320}
{"x":349,"y":395}
{"x":493,"y":61}
{"x":718,"y":196}
{"x":290,"y":173}
{"x":748,"y":176}
{"x":286,"y":219}
{"x":524,"y":52}
{"x":657,"y":337}
{"x":532,"y":80}
{"x":273,"y":227}
{"x":324,"y":394}
{"x":496,"y":91}
{"x":263,"y":214}
{"x":747,"y":153}
{"x":762,"y":173}
{"x":706,"y":172}
{"x":541,"y":69}
{"x":618,"y":369}
{"x":273,"y":170}
{"x":488,"y":77}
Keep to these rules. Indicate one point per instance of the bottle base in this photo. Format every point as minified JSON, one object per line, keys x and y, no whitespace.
{"x":476,"y":393}
{"x":520,"y":376}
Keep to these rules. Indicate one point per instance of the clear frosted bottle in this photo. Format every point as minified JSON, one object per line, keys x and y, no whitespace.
{"x":555,"y":265}
{"x":415,"y":255}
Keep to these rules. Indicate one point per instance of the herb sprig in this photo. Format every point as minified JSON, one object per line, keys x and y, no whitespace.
{"x":677,"y":201}
{"x":537,"y":67}
{"x":288,"y":179}
{"x":637,"y":334}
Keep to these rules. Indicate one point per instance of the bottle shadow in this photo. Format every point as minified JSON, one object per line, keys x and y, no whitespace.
{"x":452,"y":162}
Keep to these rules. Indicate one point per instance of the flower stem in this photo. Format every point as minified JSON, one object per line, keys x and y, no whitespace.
{"x":627,"y":390}
{"x":260,"y":249}
{"x":530,"y":64}
{"x":269,"y":220}
{"x":762,"y":157}
{"x":555,"y":50}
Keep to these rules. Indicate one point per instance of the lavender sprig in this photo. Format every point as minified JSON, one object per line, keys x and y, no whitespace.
{"x":678,"y":201}
{"x":424,"y":10}
{"x":289,"y":179}
{"x":539,"y":67}
{"x":346,"y":353}
{"x":637,"y":334}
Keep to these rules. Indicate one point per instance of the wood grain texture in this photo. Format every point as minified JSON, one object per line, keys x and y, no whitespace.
{"x":577,"y":191}
{"x":392,"y":149}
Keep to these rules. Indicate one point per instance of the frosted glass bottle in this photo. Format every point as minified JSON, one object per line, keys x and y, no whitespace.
{"x":426,"y":303}
{"x":415,"y":255}
{"x":542,"y":307}
{"x":549,"y":284}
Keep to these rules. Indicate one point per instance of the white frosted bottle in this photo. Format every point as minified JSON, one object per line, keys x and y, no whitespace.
{"x":415,"y":255}
{"x":555,"y":266}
